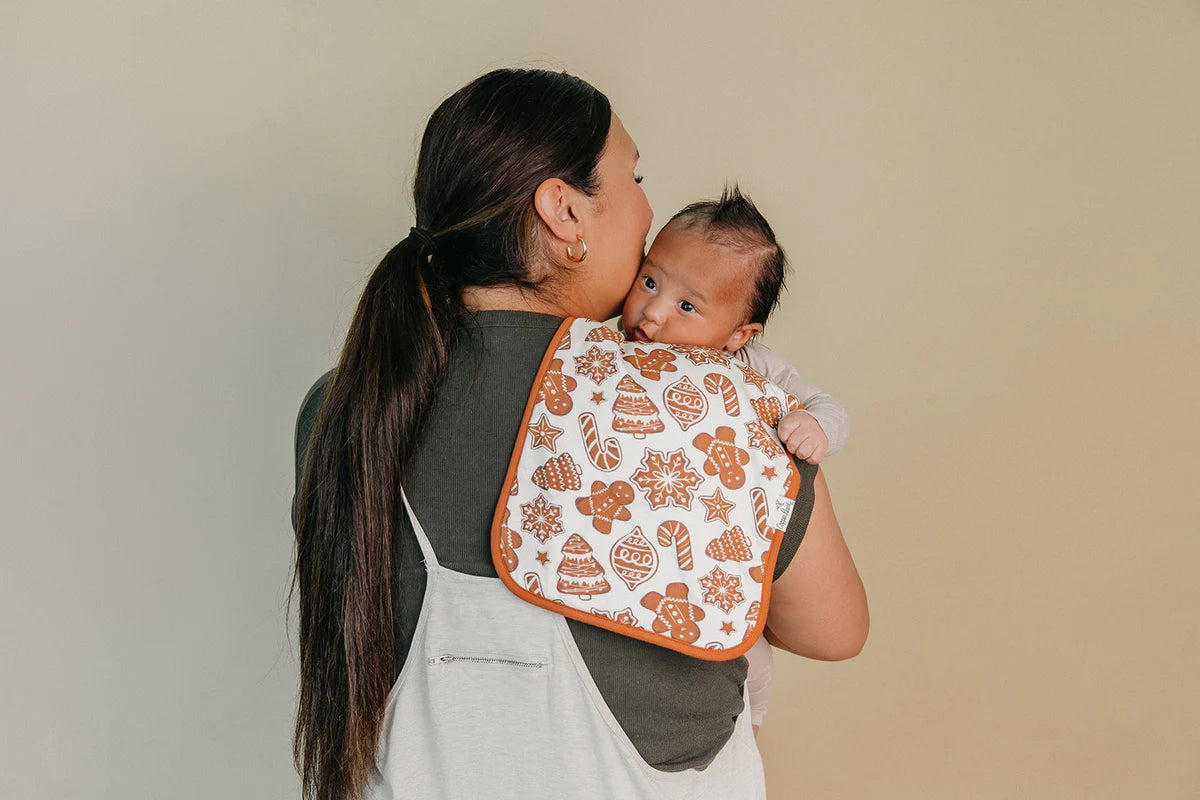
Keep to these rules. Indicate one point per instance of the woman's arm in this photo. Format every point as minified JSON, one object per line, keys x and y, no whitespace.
{"x":818,"y":605}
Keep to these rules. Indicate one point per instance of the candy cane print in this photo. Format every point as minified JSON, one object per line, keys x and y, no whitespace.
{"x":761,"y":513}
{"x":606,"y":455}
{"x":673,"y":531}
{"x":716,"y":383}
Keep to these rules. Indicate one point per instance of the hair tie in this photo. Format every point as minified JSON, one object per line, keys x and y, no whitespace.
{"x":425,"y":238}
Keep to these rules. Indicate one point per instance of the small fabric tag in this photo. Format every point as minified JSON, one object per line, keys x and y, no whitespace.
{"x":783,"y":513}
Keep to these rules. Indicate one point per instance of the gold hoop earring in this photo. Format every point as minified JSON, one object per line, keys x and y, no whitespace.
{"x":582,"y":255}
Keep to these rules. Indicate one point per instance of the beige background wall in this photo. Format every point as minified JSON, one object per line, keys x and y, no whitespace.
{"x":992,"y":211}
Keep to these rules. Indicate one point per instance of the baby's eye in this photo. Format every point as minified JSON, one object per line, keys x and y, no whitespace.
{"x":637,"y":178}
{"x":684,"y":305}
{"x":650,"y":284}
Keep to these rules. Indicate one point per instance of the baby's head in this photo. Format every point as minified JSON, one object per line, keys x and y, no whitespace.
{"x":712,"y":277}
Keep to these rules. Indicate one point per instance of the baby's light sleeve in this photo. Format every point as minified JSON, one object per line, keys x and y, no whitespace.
{"x":758,"y":679}
{"x":827,"y":411}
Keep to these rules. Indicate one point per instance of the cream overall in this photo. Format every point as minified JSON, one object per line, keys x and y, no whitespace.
{"x":495,"y":702}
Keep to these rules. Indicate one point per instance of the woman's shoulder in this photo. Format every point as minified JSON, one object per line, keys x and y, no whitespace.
{"x":305,"y":420}
{"x":307,"y":417}
{"x":311,"y":404}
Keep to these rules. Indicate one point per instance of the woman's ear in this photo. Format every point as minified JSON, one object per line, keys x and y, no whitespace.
{"x":742,"y":335}
{"x":556,"y":203}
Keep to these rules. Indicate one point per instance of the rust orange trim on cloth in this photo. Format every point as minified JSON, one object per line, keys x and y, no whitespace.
{"x":793,"y":489}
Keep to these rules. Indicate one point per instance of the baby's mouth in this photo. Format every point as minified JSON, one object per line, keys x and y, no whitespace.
{"x":638,"y":335}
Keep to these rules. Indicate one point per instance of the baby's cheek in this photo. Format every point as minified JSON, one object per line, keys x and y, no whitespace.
{"x":704,"y":332}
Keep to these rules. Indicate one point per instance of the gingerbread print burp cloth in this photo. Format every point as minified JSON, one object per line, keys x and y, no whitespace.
{"x":648,"y":492}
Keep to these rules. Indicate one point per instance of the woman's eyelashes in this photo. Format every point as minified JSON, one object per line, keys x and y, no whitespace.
{"x":637,"y":178}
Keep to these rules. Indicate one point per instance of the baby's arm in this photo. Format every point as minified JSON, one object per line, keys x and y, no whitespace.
{"x":758,"y":680}
{"x":828,"y":413}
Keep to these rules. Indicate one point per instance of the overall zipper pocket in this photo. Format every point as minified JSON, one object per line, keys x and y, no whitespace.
{"x":447,"y":658}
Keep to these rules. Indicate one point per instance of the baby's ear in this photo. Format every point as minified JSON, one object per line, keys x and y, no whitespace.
{"x":742,"y":335}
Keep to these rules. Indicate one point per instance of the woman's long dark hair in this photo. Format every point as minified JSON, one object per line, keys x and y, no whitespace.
{"x":484,"y":152}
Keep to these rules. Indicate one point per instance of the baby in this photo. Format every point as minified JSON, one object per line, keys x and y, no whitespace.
{"x":712,"y":278}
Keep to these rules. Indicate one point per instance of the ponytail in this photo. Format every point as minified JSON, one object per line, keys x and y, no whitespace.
{"x":367,"y":428}
{"x":485,"y":150}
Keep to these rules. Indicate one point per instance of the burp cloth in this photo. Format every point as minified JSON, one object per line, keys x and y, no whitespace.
{"x":648,"y":491}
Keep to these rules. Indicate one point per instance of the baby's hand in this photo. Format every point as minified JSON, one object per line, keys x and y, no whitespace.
{"x":802,"y":435}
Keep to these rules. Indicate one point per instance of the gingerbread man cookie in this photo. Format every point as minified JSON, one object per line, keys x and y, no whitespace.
{"x":674,"y":614}
{"x":652,"y":364}
{"x":724,"y":458}
{"x":606,"y":503}
{"x":556,"y":388}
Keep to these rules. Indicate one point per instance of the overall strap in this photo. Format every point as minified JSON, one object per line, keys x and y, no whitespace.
{"x":430,"y":557}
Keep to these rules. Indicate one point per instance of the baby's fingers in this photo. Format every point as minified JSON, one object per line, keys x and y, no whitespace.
{"x":798,"y":441}
{"x":787,"y":426}
{"x":792,"y":422}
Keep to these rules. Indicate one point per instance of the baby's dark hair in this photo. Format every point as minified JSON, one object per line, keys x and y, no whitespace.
{"x":735,"y":222}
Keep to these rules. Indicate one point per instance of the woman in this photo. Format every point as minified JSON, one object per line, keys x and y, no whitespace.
{"x":528,"y":210}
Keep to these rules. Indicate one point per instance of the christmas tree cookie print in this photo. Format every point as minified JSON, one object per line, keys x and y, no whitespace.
{"x":634,"y":412}
{"x":579,"y":573}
